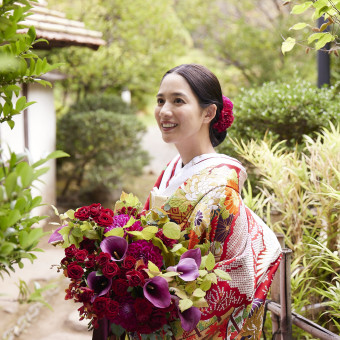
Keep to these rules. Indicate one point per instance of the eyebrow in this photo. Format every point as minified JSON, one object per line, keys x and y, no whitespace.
{"x":174,"y":94}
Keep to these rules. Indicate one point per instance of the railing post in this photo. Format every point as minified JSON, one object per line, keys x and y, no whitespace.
{"x":285,"y":295}
{"x":275,"y":291}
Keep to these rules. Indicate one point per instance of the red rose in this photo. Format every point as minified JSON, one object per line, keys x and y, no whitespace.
{"x":100,"y":305}
{"x":108,"y":212}
{"x":85,"y":294}
{"x":82,"y":213}
{"x":70,"y":251}
{"x":74,"y":271}
{"x":81,"y":255}
{"x":103,"y":259}
{"x":88,"y":244}
{"x":135,"y":278}
{"x":112,"y":309}
{"x":104,"y":220}
{"x":91,"y":261}
{"x":129,"y":262}
{"x":120,"y":287}
{"x":95,"y":209}
{"x":64,"y":261}
{"x":110,"y":270}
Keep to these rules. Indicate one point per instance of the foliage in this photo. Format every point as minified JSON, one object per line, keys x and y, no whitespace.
{"x":104,"y":147}
{"x":18,"y":240}
{"x":105,"y":101}
{"x":317,"y":37}
{"x":18,"y":64}
{"x":300,"y":197}
{"x":283,"y":111}
{"x":244,"y":36}
{"x":143,"y":38}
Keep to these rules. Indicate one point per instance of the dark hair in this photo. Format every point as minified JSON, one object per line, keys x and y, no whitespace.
{"x":208,"y":91}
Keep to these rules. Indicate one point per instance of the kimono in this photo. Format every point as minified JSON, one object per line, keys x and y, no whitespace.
{"x":203,"y":197}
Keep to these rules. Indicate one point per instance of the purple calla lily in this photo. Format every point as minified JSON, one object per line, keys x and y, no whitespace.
{"x":116,"y":246}
{"x":187,"y":268}
{"x":156,"y":290}
{"x":99,"y":284}
{"x":193,"y":254}
{"x":190,"y":318}
{"x":56,"y":237}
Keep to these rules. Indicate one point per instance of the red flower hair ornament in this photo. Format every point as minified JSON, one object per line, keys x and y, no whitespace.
{"x":226,"y":116}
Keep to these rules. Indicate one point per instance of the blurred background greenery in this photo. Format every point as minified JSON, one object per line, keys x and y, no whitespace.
{"x":286,"y":130}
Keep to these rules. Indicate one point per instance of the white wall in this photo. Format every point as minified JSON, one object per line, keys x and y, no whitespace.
{"x":42,"y":137}
{"x":41,"y":140}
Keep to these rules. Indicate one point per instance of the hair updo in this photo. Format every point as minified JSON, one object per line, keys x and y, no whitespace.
{"x":207,"y":88}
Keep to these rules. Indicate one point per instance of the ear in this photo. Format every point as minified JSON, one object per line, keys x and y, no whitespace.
{"x":209,"y":113}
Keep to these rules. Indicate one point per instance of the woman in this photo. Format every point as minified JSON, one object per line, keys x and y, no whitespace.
{"x":200,"y":190}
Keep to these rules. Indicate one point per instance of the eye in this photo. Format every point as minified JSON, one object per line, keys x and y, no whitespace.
{"x":160,"y":101}
{"x":179,"y":101}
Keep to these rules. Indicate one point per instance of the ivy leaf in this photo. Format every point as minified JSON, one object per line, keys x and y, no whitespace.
{"x":119,"y":231}
{"x":176,"y":247}
{"x":152,"y":267}
{"x":206,"y":284}
{"x":185,"y":304}
{"x":210,"y":262}
{"x":172,"y":230}
{"x":198,"y":293}
{"x":190,"y":287}
{"x":202,"y":273}
{"x":222,"y":274}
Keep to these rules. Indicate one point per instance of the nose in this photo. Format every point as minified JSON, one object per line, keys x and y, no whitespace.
{"x":165,"y":110}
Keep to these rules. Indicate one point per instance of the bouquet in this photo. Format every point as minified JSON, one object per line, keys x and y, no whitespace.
{"x":133,"y":268}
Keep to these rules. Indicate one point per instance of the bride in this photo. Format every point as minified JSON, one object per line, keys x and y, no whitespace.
{"x":200,"y":190}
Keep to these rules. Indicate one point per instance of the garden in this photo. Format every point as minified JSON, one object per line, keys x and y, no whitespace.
{"x":286,"y":130}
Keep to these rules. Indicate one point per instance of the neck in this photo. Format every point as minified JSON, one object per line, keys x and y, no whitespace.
{"x":189,"y":152}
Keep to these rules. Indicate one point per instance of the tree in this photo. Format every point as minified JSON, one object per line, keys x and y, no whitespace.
{"x":143,"y":39}
{"x":18,"y":65}
{"x":316,"y":37}
{"x":245,"y":36}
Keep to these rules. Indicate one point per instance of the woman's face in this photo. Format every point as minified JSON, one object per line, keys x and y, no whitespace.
{"x":178,"y":113}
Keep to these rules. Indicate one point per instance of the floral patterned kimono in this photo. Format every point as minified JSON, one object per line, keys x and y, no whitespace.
{"x":204,"y":198}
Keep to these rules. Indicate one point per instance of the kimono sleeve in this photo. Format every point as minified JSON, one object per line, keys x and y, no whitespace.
{"x":220,"y":218}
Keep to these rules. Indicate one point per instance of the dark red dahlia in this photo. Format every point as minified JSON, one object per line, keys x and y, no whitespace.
{"x":88,"y":244}
{"x":112,"y":309}
{"x":100,"y":306}
{"x":145,"y":250}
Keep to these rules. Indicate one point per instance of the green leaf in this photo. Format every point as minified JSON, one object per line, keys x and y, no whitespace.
{"x":210,"y":262}
{"x":119,"y":231}
{"x":201,"y":303}
{"x":152,"y":267}
{"x":172,"y":230}
{"x":222,"y":274}
{"x":6,"y":248}
{"x":11,"y":183}
{"x":288,"y":45}
{"x":43,"y":82}
{"x":190,"y":287}
{"x":198,"y":293}
{"x":299,"y":26}
{"x":326,"y":38}
{"x":298,"y":9}
{"x":20,"y":104}
{"x":206,"y":284}
{"x":170,"y":274}
{"x":185,"y":304}
{"x":149,"y":232}
{"x":202,"y":272}
{"x":55,"y":154}
{"x":10,"y":219}
{"x":76,"y":232}
{"x":176,"y":247}
{"x":117,"y":329}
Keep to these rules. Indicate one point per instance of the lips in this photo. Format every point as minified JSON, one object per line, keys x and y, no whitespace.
{"x":168,"y":126}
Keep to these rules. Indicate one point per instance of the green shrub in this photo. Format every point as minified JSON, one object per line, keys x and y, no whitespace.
{"x":107,"y":102}
{"x":300,"y":197}
{"x":104,"y":146}
{"x":287,"y":111}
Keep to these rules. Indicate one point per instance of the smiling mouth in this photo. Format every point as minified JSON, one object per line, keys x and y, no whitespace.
{"x":168,"y":125}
